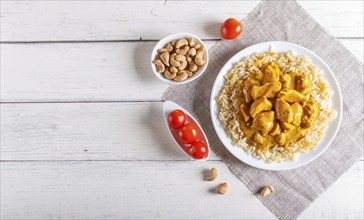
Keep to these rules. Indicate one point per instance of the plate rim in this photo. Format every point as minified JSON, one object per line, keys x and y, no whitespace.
{"x":290,"y":47}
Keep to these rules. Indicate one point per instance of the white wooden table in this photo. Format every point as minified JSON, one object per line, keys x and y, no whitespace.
{"x":82,"y":135}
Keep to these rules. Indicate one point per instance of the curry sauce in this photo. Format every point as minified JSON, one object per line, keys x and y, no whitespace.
{"x":276,"y":108}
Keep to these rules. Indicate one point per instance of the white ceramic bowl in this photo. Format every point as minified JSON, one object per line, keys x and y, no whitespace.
{"x":163,"y":42}
{"x":303,"y":158}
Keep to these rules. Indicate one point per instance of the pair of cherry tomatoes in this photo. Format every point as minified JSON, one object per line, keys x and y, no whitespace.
{"x":188,"y":134}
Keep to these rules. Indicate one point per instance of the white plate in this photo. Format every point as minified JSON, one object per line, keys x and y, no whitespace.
{"x":169,"y":106}
{"x":303,"y":158}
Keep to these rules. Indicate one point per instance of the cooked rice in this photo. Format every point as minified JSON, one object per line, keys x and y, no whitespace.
{"x":287,"y":62}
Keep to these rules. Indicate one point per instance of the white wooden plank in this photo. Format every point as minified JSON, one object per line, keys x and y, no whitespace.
{"x":131,"y":20}
{"x":150,"y":190}
{"x":92,"y":131}
{"x":87,"y":71}
{"x":86,"y":131}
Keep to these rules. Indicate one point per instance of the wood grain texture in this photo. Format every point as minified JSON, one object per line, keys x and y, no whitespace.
{"x":87,"y":71}
{"x":134,"y":20}
{"x":86,"y":131}
{"x":150,"y":190}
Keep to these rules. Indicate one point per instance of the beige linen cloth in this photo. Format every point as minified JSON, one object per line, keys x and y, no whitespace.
{"x":295,"y":189}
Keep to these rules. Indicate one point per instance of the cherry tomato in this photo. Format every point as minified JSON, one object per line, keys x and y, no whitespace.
{"x":198,"y":150}
{"x":231,"y":29}
{"x":188,"y":133}
{"x":176,"y":119}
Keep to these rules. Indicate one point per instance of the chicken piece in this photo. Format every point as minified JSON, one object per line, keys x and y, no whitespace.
{"x":245,"y":112}
{"x":310,"y":114}
{"x":271,"y":73}
{"x":288,"y":81}
{"x":247,"y":86}
{"x":264,"y":121}
{"x":260,"y":105}
{"x":275,"y":130}
{"x":268,"y":90}
{"x":304,"y":84}
{"x":291,"y":95}
{"x":258,"y":138}
{"x":283,"y":111}
{"x":297,"y":113}
{"x":287,"y":126}
{"x":281,"y":138}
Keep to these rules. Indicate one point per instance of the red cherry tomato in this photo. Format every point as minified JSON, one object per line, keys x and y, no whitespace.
{"x":176,"y":119}
{"x":231,"y":29}
{"x":198,"y":150}
{"x":188,"y":133}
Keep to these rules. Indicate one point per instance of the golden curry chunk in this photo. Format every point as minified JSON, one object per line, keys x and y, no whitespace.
{"x":248,"y":131}
{"x":283,"y":111}
{"x":268,"y":90}
{"x":258,"y":138}
{"x":264,"y":121}
{"x":291,"y":95}
{"x":271,"y":73}
{"x":247,"y":86}
{"x":294,"y":135}
{"x":275,"y":130}
{"x":288,"y":81}
{"x":245,"y":112}
{"x":303,"y":84}
{"x":260,"y":105}
{"x":287,"y":126}
{"x":310,"y":114}
{"x":281,"y":138}
{"x":297,"y":113}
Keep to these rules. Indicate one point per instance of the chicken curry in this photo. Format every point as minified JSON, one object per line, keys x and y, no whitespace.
{"x":276,"y":108}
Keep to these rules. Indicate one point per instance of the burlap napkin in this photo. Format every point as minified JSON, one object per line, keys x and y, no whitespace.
{"x":295,"y":189}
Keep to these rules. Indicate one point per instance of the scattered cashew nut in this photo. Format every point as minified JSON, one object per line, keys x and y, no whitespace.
{"x":189,"y":73}
{"x":213,"y":174}
{"x":159,"y":65}
{"x":181,"y":76}
{"x":267,"y":190}
{"x":222,"y":188}
{"x":165,"y":58}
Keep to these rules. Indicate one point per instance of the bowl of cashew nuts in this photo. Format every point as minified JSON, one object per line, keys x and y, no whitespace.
{"x":179,"y":58}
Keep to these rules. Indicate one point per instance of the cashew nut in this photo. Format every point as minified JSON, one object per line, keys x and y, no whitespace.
{"x":192,"y":66}
{"x":213,"y":174}
{"x":191,"y":42}
{"x":181,"y":76}
{"x":199,"y":58}
{"x":183,"y":64}
{"x":180,"y":57}
{"x":183,"y":50}
{"x":173,"y":61}
{"x":222,"y":188}
{"x":169,"y":75}
{"x":198,"y":46}
{"x":168,"y":48}
{"x":174,"y":43}
{"x":189,"y":73}
{"x":159,"y":65}
{"x":181,"y":42}
{"x":165,"y":58}
{"x":267,"y":190}
{"x":192,"y":52}
{"x":173,"y":69}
